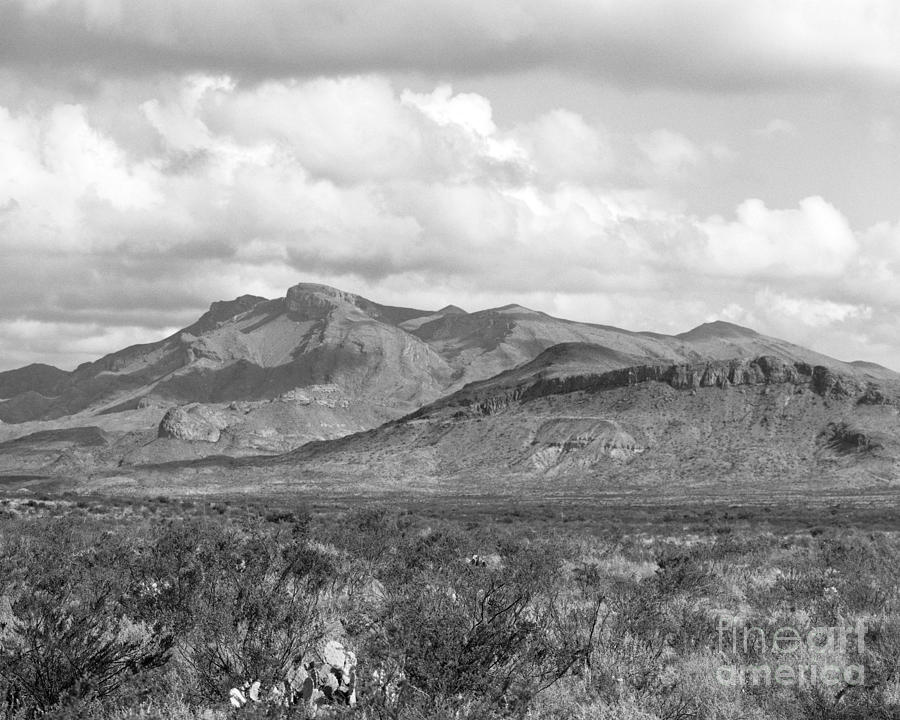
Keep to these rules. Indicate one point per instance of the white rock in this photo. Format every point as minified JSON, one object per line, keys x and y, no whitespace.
{"x":237,"y":698}
{"x":254,"y":691}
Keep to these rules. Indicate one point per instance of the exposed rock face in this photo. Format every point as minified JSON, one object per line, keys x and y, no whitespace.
{"x":192,"y":422}
{"x":764,"y":369}
{"x":581,"y":441}
{"x":315,"y":302}
{"x":222,"y":311}
{"x":329,"y":395}
{"x":723,"y":374}
{"x":826,"y":382}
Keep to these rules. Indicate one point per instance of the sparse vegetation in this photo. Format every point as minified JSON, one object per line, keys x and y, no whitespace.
{"x":107,"y":611}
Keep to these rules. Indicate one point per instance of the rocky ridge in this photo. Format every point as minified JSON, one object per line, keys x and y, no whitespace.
{"x":258,"y":376}
{"x":488,"y":398}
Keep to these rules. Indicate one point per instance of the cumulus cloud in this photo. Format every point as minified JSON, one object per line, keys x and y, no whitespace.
{"x":706,"y":44}
{"x":813,"y":240}
{"x":562,"y":147}
{"x":814,"y":312}
{"x":669,"y":153}
{"x":211,"y":189}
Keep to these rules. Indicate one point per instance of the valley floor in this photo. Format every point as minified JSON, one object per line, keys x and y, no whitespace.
{"x":466,"y":607}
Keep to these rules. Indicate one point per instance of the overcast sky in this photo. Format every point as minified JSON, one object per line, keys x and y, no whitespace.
{"x":650,"y":164}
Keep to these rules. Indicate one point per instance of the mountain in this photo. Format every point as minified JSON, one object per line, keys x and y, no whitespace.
{"x":249,"y":349}
{"x":874,"y":369}
{"x":579,"y":422}
{"x":482,"y":344}
{"x":258,"y":376}
{"x":32,"y":378}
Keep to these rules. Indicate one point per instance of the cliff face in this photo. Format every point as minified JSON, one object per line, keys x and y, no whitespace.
{"x":764,"y":370}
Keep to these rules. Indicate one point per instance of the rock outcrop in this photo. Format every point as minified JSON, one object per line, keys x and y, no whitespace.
{"x":767,"y":370}
{"x":845,"y":438}
{"x":325,"y":677}
{"x":825,"y":382}
{"x":315,"y":302}
{"x":195,"y":422}
{"x":873,"y":396}
{"x":580,"y":441}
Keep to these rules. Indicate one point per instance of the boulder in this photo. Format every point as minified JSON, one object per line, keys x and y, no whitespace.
{"x":195,"y":423}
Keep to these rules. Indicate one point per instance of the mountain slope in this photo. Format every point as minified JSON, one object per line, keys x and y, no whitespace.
{"x":250,"y":349}
{"x":723,"y":341}
{"x":566,"y":425}
{"x":320,"y":363}
{"x":31,"y":378}
{"x":482,"y":344}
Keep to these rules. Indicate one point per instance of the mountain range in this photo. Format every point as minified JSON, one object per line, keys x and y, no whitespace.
{"x":324,"y":386}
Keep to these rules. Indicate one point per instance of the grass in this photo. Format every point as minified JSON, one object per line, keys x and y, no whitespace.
{"x":585,"y":610}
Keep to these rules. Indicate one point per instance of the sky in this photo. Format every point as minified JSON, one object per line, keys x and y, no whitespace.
{"x":648,"y":164}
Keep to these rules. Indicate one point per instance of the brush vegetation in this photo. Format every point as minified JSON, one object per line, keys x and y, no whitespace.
{"x":157,"y":608}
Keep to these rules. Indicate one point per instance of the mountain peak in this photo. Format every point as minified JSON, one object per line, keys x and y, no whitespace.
{"x":301,"y":289}
{"x":716,"y":330}
{"x":514,"y":308}
{"x":223,"y":310}
{"x":451,"y":310}
{"x":242,"y":302}
{"x":315,"y":302}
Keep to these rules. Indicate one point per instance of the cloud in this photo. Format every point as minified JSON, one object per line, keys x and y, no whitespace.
{"x":705,"y":44}
{"x":814,"y":240}
{"x":777,"y":127}
{"x":210,"y":189}
{"x":561,"y":146}
{"x":669,"y":153}
{"x":814,"y":312}
{"x":667,"y":156}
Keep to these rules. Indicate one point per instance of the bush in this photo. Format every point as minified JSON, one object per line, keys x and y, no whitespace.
{"x":474,"y":637}
{"x":245,"y":603}
{"x":67,"y":633}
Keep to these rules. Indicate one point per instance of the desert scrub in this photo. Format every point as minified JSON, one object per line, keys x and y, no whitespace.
{"x":245,"y":602}
{"x":477,"y":639}
{"x":174,"y":610}
{"x":67,"y":633}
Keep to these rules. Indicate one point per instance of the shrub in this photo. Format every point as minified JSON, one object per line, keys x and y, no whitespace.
{"x":477,"y":638}
{"x":67,"y":633}
{"x":254,"y":604}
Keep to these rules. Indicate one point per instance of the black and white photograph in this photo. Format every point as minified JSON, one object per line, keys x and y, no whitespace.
{"x":449,"y":359}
